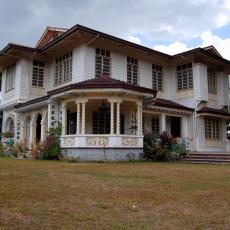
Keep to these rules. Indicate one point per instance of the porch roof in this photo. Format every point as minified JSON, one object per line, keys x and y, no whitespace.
{"x":159,"y":102}
{"x":103,"y":82}
{"x":212,"y":111}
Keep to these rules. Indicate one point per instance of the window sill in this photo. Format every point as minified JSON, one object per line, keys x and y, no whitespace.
{"x":38,"y":87}
{"x":184,"y":90}
{"x":8,"y":90}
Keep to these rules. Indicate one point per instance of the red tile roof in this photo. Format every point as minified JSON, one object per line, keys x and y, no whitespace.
{"x":213,"y":111}
{"x":103,"y":82}
{"x":159,"y":102}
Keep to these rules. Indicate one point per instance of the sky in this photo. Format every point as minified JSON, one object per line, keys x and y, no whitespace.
{"x":170,"y":26}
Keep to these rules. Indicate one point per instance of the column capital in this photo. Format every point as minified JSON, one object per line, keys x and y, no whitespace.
{"x":115,"y":100}
{"x":81,"y":100}
{"x":63,"y":104}
{"x":139,"y":103}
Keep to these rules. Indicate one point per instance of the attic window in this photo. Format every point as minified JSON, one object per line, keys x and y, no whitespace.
{"x":212,"y":80}
{"x":63,"y":69}
{"x":102,"y":62}
{"x":184,"y":77}
{"x":132,"y":71}
{"x":157,"y":77}
{"x":38,"y":73}
{"x":10,"y":77}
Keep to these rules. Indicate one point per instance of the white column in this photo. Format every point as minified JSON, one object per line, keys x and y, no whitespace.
{"x":163,"y":122}
{"x":141,"y":125}
{"x":83,"y":118}
{"x":184,"y":121}
{"x":139,"y":118}
{"x":64,"y":116}
{"x":111,"y":117}
{"x":78,"y":117}
{"x":42,"y":130}
{"x":32,"y":132}
{"x":118,"y":117}
{"x":49,"y":116}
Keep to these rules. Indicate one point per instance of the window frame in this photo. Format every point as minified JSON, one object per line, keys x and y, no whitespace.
{"x":63,"y":69}
{"x":38,"y":77}
{"x":132,"y":71}
{"x":184,"y":75}
{"x":155,"y":121}
{"x":10,"y":77}
{"x":157,"y":77}
{"x":212,"y":80}
{"x":212,"y":128}
{"x":102,"y":62}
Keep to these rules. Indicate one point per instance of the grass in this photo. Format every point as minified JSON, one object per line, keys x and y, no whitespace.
{"x":59,"y":195}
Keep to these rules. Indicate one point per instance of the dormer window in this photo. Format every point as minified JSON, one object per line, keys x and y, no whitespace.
{"x":63,"y":69}
{"x":184,"y":77}
{"x":212,"y":80}
{"x":132,"y":71}
{"x":102,"y":62}
{"x":38,"y":73}
{"x":157,"y":77}
{"x":10,"y":77}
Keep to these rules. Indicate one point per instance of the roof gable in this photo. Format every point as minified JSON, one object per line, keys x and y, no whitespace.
{"x":212,"y":50}
{"x":50,"y":34}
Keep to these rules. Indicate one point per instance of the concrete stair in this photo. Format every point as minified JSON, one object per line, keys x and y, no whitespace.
{"x":207,"y":157}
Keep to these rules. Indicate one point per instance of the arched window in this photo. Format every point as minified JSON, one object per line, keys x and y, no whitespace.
{"x":9,"y":127}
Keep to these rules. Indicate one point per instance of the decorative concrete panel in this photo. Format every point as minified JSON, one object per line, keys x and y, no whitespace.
{"x":129,"y":141}
{"x":97,"y":141}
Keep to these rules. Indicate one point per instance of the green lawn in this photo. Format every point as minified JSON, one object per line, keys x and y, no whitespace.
{"x":60,"y":195}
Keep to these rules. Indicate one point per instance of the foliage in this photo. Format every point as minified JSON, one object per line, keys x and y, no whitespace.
{"x":151,"y":146}
{"x":35,"y":151}
{"x":51,"y":145}
{"x":2,"y":149}
{"x":164,"y":148}
{"x":8,"y":134}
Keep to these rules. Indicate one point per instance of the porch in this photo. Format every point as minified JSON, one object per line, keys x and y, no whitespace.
{"x":101,"y":122}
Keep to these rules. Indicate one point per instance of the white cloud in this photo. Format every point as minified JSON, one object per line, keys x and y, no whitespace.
{"x":222,"y":20}
{"x":207,"y":39}
{"x":172,"y":20}
{"x":134,"y":39}
{"x":173,"y":48}
{"x":221,"y":44}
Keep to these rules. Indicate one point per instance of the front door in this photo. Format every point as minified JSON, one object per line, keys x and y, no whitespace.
{"x":175,"y":126}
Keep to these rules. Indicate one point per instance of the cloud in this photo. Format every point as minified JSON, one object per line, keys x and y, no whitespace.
{"x":207,"y":38}
{"x":172,"y":20}
{"x":221,"y":44}
{"x":222,"y":20}
{"x":173,"y":48}
{"x":134,"y":39}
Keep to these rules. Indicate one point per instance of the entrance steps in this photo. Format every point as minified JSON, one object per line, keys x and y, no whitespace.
{"x":207,"y":157}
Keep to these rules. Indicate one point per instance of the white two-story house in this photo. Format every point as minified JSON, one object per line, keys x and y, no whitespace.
{"x":107,"y":92}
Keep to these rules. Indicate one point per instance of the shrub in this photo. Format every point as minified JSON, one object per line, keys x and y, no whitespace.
{"x":51,"y":146}
{"x":151,"y":147}
{"x":35,"y":152}
{"x":8,"y":134}
{"x":1,"y":149}
{"x":164,"y":149}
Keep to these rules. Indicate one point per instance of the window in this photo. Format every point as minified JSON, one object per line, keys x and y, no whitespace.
{"x":10,"y":77}
{"x":38,"y":73}
{"x":101,"y":122}
{"x":212,"y":128}
{"x":132,"y":71}
{"x":155,"y":126}
{"x":212,"y":80}
{"x":102,"y":63}
{"x":184,"y":77}
{"x":63,"y":69}
{"x":157,"y":77}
